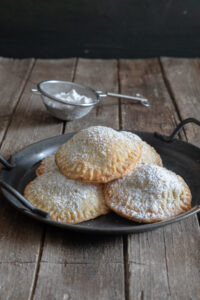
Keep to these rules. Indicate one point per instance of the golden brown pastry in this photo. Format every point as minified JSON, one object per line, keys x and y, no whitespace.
{"x":97,"y":154}
{"x":48,"y":164}
{"x":149,"y":194}
{"x":66,"y":200}
{"x":149,"y":154}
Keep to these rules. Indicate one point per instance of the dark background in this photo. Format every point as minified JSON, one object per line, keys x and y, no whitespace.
{"x":103,"y":28}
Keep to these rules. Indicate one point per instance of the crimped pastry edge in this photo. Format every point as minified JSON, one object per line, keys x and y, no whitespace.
{"x":186,"y":207}
{"x":99,"y":176}
{"x":76,"y":218}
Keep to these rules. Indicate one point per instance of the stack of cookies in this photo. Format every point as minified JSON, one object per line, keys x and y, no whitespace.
{"x":100,"y":169}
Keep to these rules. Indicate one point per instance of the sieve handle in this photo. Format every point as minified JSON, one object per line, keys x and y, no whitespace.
{"x":141,"y":100}
{"x":176,"y":131}
{"x":22,"y":200}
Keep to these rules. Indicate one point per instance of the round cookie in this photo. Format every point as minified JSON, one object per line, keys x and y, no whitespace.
{"x":149,"y":194}
{"x":149,"y":154}
{"x":97,"y":154}
{"x":48,"y":164}
{"x":66,"y":200}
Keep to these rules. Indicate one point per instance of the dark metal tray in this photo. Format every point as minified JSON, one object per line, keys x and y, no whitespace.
{"x":178,"y":156}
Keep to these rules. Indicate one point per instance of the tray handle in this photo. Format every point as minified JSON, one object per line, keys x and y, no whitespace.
{"x":171,"y":138}
{"x":5,"y":163}
{"x":22,"y":200}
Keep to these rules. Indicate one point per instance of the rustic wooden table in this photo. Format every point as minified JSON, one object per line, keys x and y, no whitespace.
{"x":41,"y":262}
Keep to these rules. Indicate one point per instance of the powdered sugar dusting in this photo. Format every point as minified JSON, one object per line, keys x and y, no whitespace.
{"x":131,"y":135}
{"x":149,"y":154}
{"x":96,"y":144}
{"x":58,"y":195}
{"x":73,"y":97}
{"x":149,"y":191}
{"x":48,"y":164}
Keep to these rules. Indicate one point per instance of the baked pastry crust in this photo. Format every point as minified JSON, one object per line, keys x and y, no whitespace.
{"x":149,"y":194}
{"x":97,"y":154}
{"x":48,"y":164}
{"x":66,"y":200}
{"x":149,"y":154}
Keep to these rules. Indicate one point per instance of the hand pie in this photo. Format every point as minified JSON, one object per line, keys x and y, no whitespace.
{"x":97,"y":154}
{"x":149,"y":154}
{"x":66,"y":200}
{"x":48,"y":164}
{"x":149,"y":194}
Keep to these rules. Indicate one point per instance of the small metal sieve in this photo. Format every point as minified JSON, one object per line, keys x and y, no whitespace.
{"x":69,"y":111}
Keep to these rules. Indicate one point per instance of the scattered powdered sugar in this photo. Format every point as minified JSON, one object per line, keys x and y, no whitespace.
{"x":156,"y":180}
{"x":48,"y":164}
{"x":134,"y":137}
{"x":148,"y":189}
{"x":54,"y":191}
{"x":98,"y":141}
{"x":149,"y":154}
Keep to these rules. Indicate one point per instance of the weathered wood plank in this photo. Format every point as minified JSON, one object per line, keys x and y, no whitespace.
{"x":21,"y":238}
{"x":32,"y":122}
{"x":15,"y":280}
{"x":13,"y":76}
{"x":164,"y":264}
{"x":183,"y":78}
{"x":85,"y":267}
{"x":159,"y":263}
{"x":144,"y":77}
{"x":99,"y":75}
{"x":80,"y":281}
{"x":69,"y":247}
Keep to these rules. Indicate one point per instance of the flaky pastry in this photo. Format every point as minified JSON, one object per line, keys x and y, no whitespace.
{"x":66,"y":200}
{"x":97,"y":154}
{"x":149,"y":154}
{"x":48,"y":164}
{"x":149,"y":194}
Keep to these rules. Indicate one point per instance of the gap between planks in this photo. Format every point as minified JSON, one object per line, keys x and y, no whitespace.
{"x":37,"y":265}
{"x":141,"y":282}
{"x":125,"y":238}
{"x":97,"y":249}
{"x":26,"y":78}
{"x":38,"y":260}
{"x":43,"y":237}
{"x":171,"y":94}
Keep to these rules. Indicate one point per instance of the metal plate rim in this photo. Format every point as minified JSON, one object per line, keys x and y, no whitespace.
{"x":87,"y":229}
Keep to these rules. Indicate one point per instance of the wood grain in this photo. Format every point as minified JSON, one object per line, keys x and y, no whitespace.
{"x":21,"y":238}
{"x":13,"y":77}
{"x":158,"y":263}
{"x":15,"y":280}
{"x":145,"y":77}
{"x":32,"y":122}
{"x":100,"y":75}
{"x":183,"y":79}
{"x":55,"y":264}
{"x":80,"y":281}
{"x":86,"y":267}
{"x":68,"y":247}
